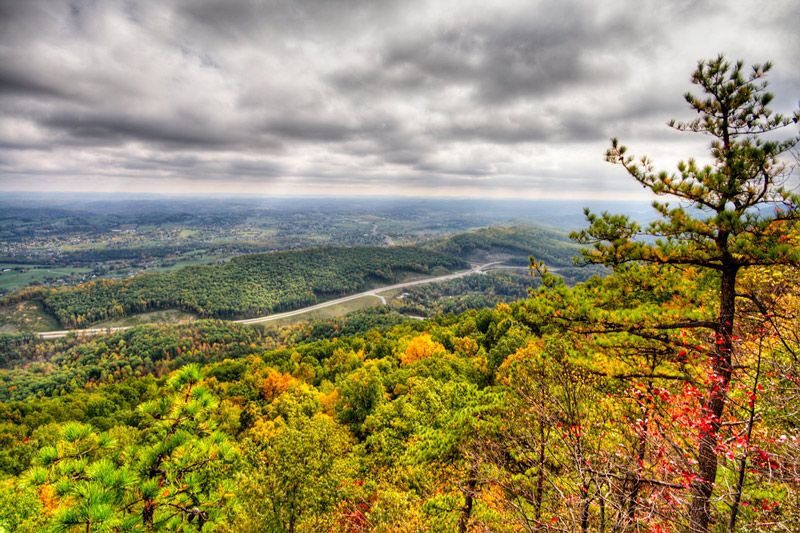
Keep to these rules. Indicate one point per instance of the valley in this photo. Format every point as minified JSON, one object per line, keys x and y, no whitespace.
{"x":153,"y":256}
{"x":382,"y":377}
{"x":177,"y":317}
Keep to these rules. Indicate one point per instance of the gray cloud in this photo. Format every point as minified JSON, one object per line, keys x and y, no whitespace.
{"x":114,"y":129}
{"x":22,"y":82}
{"x":506,"y":59}
{"x":416,"y":96}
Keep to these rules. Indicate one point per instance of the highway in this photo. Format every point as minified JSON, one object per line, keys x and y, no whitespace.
{"x":374,"y":292}
{"x":479,"y":269}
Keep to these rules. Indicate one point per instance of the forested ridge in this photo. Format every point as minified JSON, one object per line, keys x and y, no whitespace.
{"x":660,"y":398}
{"x":521,"y":241}
{"x":246,"y":286}
{"x":514,"y":245}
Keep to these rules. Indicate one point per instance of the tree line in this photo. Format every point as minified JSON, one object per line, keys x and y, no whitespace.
{"x":246,"y":286}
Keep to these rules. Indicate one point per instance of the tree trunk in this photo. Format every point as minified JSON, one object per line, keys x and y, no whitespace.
{"x":540,"y":476}
{"x":737,"y":498}
{"x":703,"y":485}
{"x":635,"y":479}
{"x":602,"y":513}
{"x":585,"y":511}
{"x":469,"y":493}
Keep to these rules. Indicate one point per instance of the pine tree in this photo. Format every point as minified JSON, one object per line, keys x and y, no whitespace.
{"x":731,"y":215}
{"x":175,"y":479}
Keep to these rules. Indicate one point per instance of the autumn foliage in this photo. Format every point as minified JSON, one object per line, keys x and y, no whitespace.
{"x":661,"y":398}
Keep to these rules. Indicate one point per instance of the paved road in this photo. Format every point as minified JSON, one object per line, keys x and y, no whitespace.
{"x":91,"y":331}
{"x":551,"y":269}
{"x":374,"y":292}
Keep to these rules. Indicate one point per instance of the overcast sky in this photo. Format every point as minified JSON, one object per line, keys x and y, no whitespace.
{"x":439,"y":98}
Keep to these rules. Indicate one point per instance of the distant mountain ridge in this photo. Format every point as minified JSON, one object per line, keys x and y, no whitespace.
{"x":552,"y":247}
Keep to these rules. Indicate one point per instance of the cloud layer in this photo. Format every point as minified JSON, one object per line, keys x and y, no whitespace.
{"x":361,"y":97}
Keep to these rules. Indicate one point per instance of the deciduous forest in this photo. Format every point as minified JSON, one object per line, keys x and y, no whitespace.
{"x":661,"y":397}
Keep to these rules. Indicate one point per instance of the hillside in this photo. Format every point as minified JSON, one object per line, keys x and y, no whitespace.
{"x":508,"y":398}
{"x":246,"y":286}
{"x":515,"y":245}
{"x":546,"y":245}
{"x":260,"y":284}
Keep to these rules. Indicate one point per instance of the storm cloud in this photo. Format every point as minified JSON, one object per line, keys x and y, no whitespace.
{"x":515,"y":98}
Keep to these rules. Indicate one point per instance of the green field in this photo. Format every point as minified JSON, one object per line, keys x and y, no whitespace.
{"x":12,"y":280}
{"x":167,"y":316}
{"x":188,"y":261}
{"x":26,"y":316}
{"x":93,"y":245}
